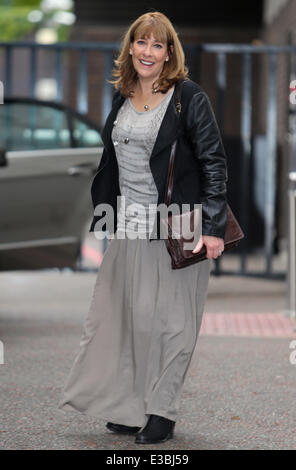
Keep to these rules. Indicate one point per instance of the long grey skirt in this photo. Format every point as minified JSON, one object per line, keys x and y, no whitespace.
{"x":138,"y":336}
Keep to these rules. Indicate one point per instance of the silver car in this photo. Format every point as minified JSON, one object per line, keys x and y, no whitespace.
{"x":49,"y":154}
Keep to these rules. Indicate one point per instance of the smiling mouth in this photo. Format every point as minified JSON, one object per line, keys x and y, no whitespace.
{"x":146,"y":63}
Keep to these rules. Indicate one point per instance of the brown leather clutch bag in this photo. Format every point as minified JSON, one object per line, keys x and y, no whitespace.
{"x":175,"y":242}
{"x":182,"y":257}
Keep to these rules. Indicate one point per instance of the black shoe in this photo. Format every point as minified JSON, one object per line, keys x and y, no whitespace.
{"x":157,"y":429}
{"x":122,"y":429}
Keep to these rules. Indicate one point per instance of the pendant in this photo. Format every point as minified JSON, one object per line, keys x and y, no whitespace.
{"x":146,"y":107}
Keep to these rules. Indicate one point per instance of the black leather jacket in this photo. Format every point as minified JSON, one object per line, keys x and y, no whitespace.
{"x":200,"y":169}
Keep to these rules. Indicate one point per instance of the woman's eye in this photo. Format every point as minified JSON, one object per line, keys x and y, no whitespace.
{"x":158,"y":46}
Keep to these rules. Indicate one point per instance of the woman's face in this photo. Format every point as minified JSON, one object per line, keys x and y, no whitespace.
{"x":148,"y":56}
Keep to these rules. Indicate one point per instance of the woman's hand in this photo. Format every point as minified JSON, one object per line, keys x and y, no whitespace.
{"x":214,"y":246}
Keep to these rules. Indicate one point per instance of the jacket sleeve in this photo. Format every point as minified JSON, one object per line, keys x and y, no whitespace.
{"x":207,"y":145}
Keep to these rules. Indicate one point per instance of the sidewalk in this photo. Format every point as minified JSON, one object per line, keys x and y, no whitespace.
{"x":241,"y":306}
{"x":239,"y":392}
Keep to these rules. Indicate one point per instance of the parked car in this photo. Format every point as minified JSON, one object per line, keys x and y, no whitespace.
{"x":49,"y":154}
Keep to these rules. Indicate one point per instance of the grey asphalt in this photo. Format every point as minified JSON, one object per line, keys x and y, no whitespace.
{"x":239,"y":392}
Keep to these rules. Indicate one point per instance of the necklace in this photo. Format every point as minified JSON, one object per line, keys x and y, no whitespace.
{"x":146,"y":106}
{"x":131,"y":121}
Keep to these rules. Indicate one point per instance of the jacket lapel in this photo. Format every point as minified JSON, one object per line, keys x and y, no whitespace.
{"x":168,"y":129}
{"x":106,"y":133}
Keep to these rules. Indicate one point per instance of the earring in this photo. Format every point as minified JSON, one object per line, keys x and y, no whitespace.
{"x":166,"y":60}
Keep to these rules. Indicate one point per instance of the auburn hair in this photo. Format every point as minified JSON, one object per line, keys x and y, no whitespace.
{"x":160,"y":26}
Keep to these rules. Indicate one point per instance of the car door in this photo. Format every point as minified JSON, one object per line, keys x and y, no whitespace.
{"x":49,"y":157}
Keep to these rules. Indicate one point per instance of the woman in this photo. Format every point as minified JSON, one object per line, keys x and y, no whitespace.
{"x":144,"y":318}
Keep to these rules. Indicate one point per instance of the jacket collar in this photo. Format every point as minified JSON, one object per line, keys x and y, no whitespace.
{"x":167,"y":132}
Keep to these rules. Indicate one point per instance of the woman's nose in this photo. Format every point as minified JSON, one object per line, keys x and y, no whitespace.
{"x":147,"y":50}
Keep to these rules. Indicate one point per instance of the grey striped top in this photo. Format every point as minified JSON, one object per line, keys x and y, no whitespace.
{"x":134,"y":134}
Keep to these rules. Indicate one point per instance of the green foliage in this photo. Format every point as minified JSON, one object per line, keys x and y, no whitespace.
{"x":14,"y":23}
{"x":20,"y":3}
{"x":63,"y":33}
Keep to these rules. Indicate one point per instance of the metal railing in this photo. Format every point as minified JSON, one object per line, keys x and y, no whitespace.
{"x":291,"y":278}
{"x":247,"y":52}
{"x":193,"y":59}
{"x":107,"y":49}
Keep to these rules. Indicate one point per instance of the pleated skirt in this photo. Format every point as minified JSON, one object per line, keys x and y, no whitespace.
{"x":138,"y":336}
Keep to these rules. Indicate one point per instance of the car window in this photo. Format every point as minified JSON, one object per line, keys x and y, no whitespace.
{"x":32,"y":127}
{"x":84,"y":135}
